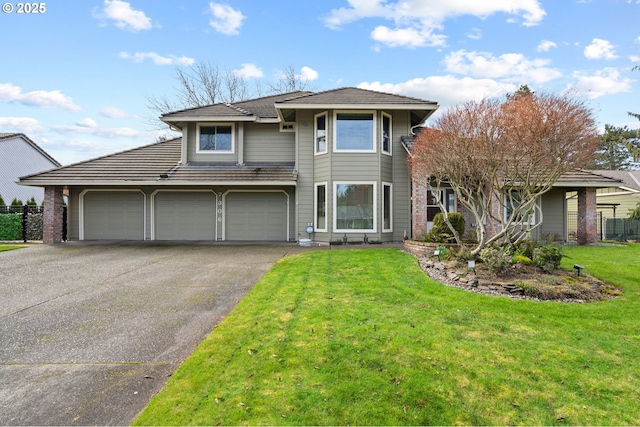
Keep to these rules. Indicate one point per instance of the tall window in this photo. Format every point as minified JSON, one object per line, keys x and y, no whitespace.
{"x":354,"y":131}
{"x":355,"y":207}
{"x":321,"y":207}
{"x":217,"y":138}
{"x":386,"y":133}
{"x":387,"y":208}
{"x":321,"y":133}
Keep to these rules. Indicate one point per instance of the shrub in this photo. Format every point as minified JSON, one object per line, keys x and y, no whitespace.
{"x":11,"y":227}
{"x":547,"y":257}
{"x":32,"y":202}
{"x":441,"y":230}
{"x":17,"y":203}
{"x":521,"y":259}
{"x":2,"y":202}
{"x":634,"y":214}
{"x":497,"y":259}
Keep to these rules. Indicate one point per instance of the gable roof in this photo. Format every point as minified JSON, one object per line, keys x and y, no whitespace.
{"x":279,"y":108}
{"x":259,"y":109}
{"x":159,"y":164}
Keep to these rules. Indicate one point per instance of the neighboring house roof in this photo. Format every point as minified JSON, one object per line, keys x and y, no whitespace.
{"x":30,"y":142}
{"x":19,"y":155}
{"x":630,"y":179}
{"x":158,"y":164}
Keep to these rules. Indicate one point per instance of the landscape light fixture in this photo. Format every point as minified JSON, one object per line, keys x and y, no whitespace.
{"x":578,"y":268}
{"x":471,"y":264}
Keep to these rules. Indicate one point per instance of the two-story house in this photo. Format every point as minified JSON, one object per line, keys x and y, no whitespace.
{"x":280,"y":168}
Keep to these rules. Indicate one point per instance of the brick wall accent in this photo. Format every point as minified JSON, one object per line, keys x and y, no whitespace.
{"x":52,"y":220}
{"x":587,"y":217}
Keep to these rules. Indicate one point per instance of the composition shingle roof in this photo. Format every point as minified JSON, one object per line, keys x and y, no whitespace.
{"x":159,"y":163}
{"x":630,"y":179}
{"x":585,"y":178}
{"x":354,"y":96}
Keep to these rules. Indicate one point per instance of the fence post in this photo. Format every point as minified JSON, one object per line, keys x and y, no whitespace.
{"x":25,"y":215}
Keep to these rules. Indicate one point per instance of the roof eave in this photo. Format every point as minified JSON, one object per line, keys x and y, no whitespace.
{"x":294,"y":106}
{"x":585,"y":184}
{"x":159,"y":182}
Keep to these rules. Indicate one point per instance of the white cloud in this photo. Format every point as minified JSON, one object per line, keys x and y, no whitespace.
{"x":417,"y":20}
{"x":37,"y":98}
{"x":96,"y":131}
{"x":446,"y":90}
{"x":408,"y":37}
{"x":87,"y":122}
{"x":226,"y":20}
{"x":113,"y":112}
{"x":634,"y":58}
{"x":24,"y":125}
{"x":475,"y":34}
{"x":157,"y":59}
{"x":125,"y":16}
{"x":600,"y":49}
{"x":513,"y":67}
{"x":248,"y":71}
{"x":307,"y":74}
{"x":604,"y":82}
{"x":546,"y":45}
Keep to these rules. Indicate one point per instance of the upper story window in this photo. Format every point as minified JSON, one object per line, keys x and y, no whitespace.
{"x":217,"y":138}
{"x":355,"y":131}
{"x":387,"y":137}
{"x":321,"y":133}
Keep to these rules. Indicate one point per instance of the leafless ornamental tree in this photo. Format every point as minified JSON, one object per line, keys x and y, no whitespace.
{"x":499,"y":157}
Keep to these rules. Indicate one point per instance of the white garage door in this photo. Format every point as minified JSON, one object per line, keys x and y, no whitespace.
{"x":256,"y":216}
{"x":185,"y":215}
{"x":113,"y":215}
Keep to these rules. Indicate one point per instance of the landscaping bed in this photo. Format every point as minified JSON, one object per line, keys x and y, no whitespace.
{"x":520,"y":281}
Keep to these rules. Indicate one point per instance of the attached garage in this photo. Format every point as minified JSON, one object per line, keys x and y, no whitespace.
{"x":184,"y":215}
{"x":256,"y":216}
{"x":113,"y":215}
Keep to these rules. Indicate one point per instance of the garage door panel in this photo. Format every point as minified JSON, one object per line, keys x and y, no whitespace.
{"x":113,"y":215}
{"x":185,"y":216}
{"x":256,"y":216}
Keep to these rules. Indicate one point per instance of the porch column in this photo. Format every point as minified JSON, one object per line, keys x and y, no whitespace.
{"x":418,"y":210}
{"x":587,"y":217}
{"x":52,"y":216}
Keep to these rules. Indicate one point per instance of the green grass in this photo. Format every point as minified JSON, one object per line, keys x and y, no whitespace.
{"x":363,"y":337}
{"x":10,"y":247}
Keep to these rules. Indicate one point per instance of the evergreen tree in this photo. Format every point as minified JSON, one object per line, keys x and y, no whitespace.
{"x":614,"y":149}
{"x":16,"y":202}
{"x":2,"y":202}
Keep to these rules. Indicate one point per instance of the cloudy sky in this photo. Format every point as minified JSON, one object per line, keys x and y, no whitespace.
{"x":75,"y":76}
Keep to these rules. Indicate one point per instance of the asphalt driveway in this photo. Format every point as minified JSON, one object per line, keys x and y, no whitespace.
{"x":89,"y":332}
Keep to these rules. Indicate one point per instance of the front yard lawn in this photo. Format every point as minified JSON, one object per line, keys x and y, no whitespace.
{"x":364,"y":337}
{"x":9,"y":247}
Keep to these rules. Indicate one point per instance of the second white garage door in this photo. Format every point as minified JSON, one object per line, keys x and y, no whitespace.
{"x":185,"y":215}
{"x":256,"y":216}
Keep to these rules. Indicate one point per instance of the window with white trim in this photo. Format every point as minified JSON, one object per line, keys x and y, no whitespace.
{"x":354,"y":131}
{"x":387,"y":207}
{"x":320,"y":133}
{"x":354,"y":207}
{"x":320,"y":202}
{"x":387,"y":136}
{"x":513,"y":200}
{"x":216,"y":138}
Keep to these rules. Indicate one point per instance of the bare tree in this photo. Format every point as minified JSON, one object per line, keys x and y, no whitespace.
{"x":499,"y":157}
{"x":204,"y":84}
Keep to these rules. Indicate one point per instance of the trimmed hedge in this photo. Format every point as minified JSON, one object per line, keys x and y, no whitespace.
{"x":11,"y":227}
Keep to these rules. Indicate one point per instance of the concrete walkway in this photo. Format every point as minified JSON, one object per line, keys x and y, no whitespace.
{"x":89,"y":332}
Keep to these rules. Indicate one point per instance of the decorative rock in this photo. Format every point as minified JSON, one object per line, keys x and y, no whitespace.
{"x":439,"y":266}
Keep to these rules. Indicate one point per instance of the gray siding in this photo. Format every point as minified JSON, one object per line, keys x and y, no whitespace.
{"x":554,"y":215}
{"x":265,"y":143}
{"x":401,"y":178}
{"x":306,"y":179}
{"x":19,"y":158}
